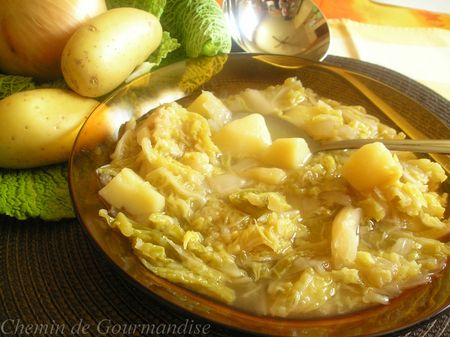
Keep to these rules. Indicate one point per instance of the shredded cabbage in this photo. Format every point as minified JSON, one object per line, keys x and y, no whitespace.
{"x":272,"y":248}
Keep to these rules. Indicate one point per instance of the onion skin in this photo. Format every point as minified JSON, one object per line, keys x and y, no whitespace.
{"x":33,"y":34}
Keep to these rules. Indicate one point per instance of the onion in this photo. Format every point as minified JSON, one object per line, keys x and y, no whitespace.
{"x":33,"y":33}
{"x":226,"y":183}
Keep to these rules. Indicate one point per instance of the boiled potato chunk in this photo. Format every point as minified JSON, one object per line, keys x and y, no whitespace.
{"x":106,"y":49}
{"x":287,"y":153}
{"x":128,"y":191}
{"x":212,"y":108}
{"x":38,"y":127}
{"x":371,"y":166}
{"x":345,"y":236}
{"x":244,"y":137}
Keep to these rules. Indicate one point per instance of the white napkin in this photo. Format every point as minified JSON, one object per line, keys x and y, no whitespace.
{"x":422,"y":54}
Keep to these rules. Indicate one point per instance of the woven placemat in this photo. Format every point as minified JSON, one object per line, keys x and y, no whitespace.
{"x":54,"y":281}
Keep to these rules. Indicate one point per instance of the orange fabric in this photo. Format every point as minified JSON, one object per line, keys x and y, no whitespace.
{"x":370,"y":12}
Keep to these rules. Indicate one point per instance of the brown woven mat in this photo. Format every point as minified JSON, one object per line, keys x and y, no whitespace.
{"x":54,"y":281}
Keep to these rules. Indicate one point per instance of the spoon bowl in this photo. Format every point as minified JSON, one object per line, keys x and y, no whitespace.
{"x":287,"y":27}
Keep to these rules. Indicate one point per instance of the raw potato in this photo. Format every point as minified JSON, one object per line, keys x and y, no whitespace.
{"x":372,"y":165}
{"x":106,"y":49}
{"x":38,"y":127}
{"x":287,"y":153}
{"x":244,"y":137}
{"x":128,"y":191}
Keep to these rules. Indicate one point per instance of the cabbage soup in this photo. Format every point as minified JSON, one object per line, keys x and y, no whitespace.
{"x":210,"y":199}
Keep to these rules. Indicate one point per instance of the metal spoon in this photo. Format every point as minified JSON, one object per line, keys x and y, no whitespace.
{"x":287,"y":27}
{"x":413,"y":145}
{"x":283,"y":128}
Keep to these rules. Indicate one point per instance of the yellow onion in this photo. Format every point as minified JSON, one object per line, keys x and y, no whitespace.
{"x":33,"y":33}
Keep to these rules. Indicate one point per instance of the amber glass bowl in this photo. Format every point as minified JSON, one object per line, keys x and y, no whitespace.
{"x":226,"y":75}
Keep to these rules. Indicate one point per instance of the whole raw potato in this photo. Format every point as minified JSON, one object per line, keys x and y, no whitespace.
{"x":38,"y":127}
{"x":105,"y":50}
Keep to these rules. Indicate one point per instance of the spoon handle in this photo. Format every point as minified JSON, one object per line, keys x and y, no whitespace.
{"x":413,"y":145}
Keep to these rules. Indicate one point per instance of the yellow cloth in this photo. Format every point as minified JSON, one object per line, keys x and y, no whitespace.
{"x":420,"y":53}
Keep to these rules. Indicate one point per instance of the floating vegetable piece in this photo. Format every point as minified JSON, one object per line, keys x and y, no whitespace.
{"x":287,"y":153}
{"x":212,"y":108}
{"x":345,"y":236}
{"x":267,"y":175}
{"x":244,"y":137}
{"x":105,"y":50}
{"x":33,"y":33}
{"x":128,"y":191}
{"x":370,"y":166}
{"x":38,"y":127}
{"x":224,"y":184}
{"x":199,"y":25}
{"x":256,"y":202}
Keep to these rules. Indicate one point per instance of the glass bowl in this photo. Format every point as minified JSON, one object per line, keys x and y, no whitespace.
{"x":229,"y":74}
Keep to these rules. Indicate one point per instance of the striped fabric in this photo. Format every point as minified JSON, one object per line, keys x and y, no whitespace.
{"x":421,"y":53}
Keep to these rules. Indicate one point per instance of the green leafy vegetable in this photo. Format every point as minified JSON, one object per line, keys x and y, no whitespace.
{"x":156,"y":7}
{"x":199,"y":25}
{"x":59,"y":83}
{"x":41,"y":192}
{"x":10,"y":84}
{"x":168,"y":45}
